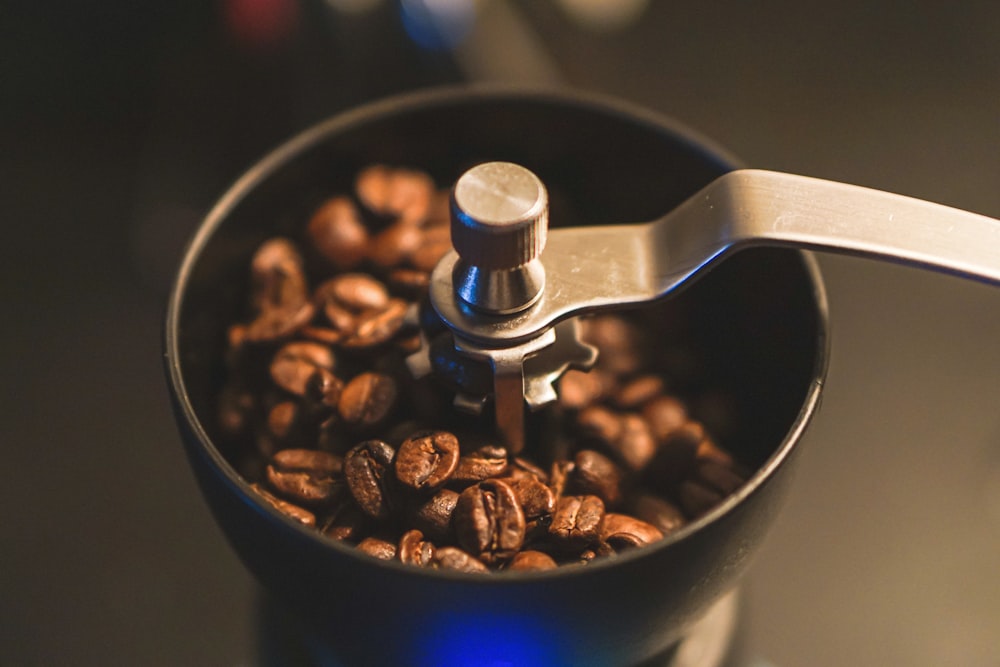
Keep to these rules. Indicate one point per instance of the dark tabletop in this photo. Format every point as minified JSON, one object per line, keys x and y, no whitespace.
{"x":120,"y":122}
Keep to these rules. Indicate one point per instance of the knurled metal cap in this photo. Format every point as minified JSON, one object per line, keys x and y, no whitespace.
{"x":499,"y":216}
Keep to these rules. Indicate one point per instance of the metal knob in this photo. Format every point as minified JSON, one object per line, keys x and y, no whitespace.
{"x":499,"y":222}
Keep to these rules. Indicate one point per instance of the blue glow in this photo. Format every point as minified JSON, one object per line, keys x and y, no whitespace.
{"x":484,"y":639}
{"x":438,"y":25}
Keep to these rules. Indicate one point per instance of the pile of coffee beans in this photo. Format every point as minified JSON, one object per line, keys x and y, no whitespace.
{"x":320,"y":413}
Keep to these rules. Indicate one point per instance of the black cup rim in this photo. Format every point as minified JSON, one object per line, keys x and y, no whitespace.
{"x":429,"y":98}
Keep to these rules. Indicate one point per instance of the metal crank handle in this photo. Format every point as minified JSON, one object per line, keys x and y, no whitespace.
{"x":593,"y":268}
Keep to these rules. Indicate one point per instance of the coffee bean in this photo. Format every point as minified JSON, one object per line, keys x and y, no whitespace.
{"x":559,"y":477}
{"x":600,"y":423}
{"x":426,"y":460}
{"x":635,"y":444}
{"x":578,"y":390}
{"x":320,"y":464}
{"x":296,"y":362}
{"x":378,"y":325}
{"x":453,"y":558}
{"x":336,"y":232}
{"x":303,"y":516}
{"x":720,"y":477}
{"x":536,"y":499}
{"x":635,"y":393}
{"x":414,"y":549}
{"x":409,"y":282}
{"x":489,"y":522}
{"x":531,"y":561}
{"x":347,"y":523}
{"x":395,"y":244}
{"x":485,"y":462}
{"x":357,"y":292}
{"x":621,"y":349}
{"x":621,"y":531}
{"x":433,"y":516}
{"x":696,"y":498}
{"x":390,"y":192}
{"x":378,"y":547}
{"x":596,"y":474}
{"x":367,"y":471}
{"x":367,"y":400}
{"x":520,"y":467}
{"x":664,"y":414}
{"x":675,"y":455}
{"x":659,"y":512}
{"x":325,"y":388}
{"x":279,"y":292}
{"x":577,"y":520}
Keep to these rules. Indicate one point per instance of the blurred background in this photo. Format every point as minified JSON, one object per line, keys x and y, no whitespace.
{"x":121,"y":122}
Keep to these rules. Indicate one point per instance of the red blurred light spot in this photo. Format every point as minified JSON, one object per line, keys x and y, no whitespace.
{"x":261,"y":22}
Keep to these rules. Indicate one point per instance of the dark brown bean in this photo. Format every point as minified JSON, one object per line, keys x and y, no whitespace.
{"x":337,"y":233}
{"x":696,"y":498}
{"x":303,"y":516}
{"x":394,"y":244}
{"x":367,"y":471}
{"x":378,"y":547}
{"x":664,"y":415}
{"x":635,"y":445}
{"x":453,"y":558}
{"x":279,"y":292}
{"x":659,"y":512}
{"x":321,"y":464}
{"x":621,"y":531}
{"x":433,"y":516}
{"x":487,"y":461}
{"x":531,"y":561}
{"x":619,"y":341}
{"x":378,"y":325}
{"x":367,"y":399}
{"x":295,"y":362}
{"x":600,"y":423}
{"x":675,"y":455}
{"x":577,"y":520}
{"x":414,"y":549}
{"x":409,"y":282}
{"x":347,"y":523}
{"x":579,"y":389}
{"x":536,"y":498}
{"x":393,"y":192}
{"x":522,"y":467}
{"x":720,"y":477}
{"x":489,"y":522}
{"x":559,"y":478}
{"x":426,"y":460}
{"x":635,"y":393}
{"x":596,"y":474}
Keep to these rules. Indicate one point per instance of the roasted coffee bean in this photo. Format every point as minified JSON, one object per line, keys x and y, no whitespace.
{"x":282,"y":419}
{"x":635,"y":393}
{"x":659,"y":512}
{"x":236,"y":405}
{"x":280,"y":295}
{"x":635,"y":445}
{"x":303,"y":516}
{"x":325,"y":388}
{"x":294,"y":364}
{"x":378,"y":547}
{"x":395,"y":192}
{"x":520,"y":467}
{"x":395,"y":244}
{"x":426,"y":460}
{"x":708,"y":450}
{"x":592,"y":553}
{"x":531,"y":561}
{"x":367,"y":400}
{"x":600,"y":423}
{"x":357,"y":292}
{"x":347,"y":523}
{"x":720,"y":477}
{"x":453,"y":558}
{"x":409,"y":282}
{"x":664,"y":414}
{"x":621,"y":531}
{"x":367,"y":471}
{"x":577,"y":520}
{"x":536,"y":499}
{"x":320,"y":464}
{"x":596,"y":474}
{"x":675,"y":455}
{"x":337,"y":233}
{"x":489,"y":522}
{"x":622,"y":351}
{"x":378,"y":325}
{"x":559,"y":477}
{"x":414,"y":549}
{"x":696,"y":498}
{"x":306,"y":488}
{"x":487,"y":461}
{"x":433,"y":516}
{"x":579,"y":389}
{"x":427,"y":255}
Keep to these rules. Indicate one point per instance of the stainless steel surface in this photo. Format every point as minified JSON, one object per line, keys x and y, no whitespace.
{"x":499,"y":220}
{"x":593,"y":268}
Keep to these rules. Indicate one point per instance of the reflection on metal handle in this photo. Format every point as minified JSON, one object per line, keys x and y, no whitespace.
{"x":593,"y":268}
